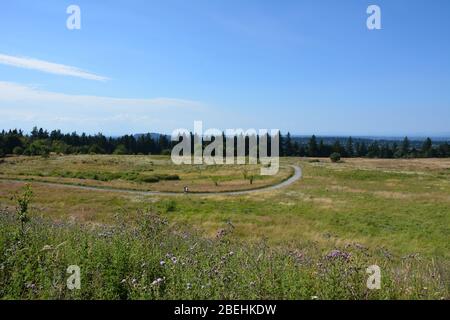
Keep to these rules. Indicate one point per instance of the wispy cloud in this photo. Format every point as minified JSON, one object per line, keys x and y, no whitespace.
{"x":14,"y":92}
{"x":24,"y":106}
{"x":49,"y":67}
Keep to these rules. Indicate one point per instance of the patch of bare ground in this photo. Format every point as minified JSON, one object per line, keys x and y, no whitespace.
{"x":346,"y":189}
{"x":393,"y":194}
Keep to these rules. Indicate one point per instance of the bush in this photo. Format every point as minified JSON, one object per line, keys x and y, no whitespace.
{"x":166,"y":152}
{"x":96,"y":149}
{"x":61,"y":147}
{"x":168,"y":177}
{"x":18,"y":151}
{"x":120,"y":150}
{"x":37,"y":148}
{"x":149,"y":179}
{"x":335,"y":157}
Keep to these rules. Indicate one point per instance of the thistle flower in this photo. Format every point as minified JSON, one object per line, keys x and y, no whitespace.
{"x":337,"y":254}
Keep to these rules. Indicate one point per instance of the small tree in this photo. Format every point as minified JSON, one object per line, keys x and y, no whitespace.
{"x":215,"y":179}
{"x":335,"y":157}
{"x":245,"y":173}
{"x":247,"y":176}
{"x":23,"y":201}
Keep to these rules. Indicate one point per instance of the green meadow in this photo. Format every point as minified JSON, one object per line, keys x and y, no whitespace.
{"x":313,"y":239}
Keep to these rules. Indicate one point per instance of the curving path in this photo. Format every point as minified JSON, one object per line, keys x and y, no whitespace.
{"x":296,"y":176}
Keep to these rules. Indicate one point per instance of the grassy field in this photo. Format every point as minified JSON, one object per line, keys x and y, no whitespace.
{"x":156,"y":173}
{"x":394,"y":213}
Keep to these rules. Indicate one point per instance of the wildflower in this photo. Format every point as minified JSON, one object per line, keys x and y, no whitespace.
{"x":162,"y":263}
{"x":231,"y":253}
{"x":221,"y":233}
{"x":174,"y":260}
{"x":47,"y":247}
{"x":189,"y":286}
{"x":157,"y":281}
{"x":337,"y":254}
{"x":30,"y":285}
{"x":314,"y":298}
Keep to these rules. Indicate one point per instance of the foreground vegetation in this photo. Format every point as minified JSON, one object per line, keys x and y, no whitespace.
{"x":158,"y":260}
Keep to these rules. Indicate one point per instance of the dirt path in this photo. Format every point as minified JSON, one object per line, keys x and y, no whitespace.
{"x":296,"y":176}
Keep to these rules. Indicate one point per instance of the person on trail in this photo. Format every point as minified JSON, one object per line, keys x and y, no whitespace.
{"x":186,"y":189}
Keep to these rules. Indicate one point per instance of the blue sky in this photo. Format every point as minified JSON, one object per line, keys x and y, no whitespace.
{"x":299,"y":66}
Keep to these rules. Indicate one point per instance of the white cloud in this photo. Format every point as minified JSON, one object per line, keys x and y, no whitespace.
{"x":24,"y":106}
{"x":13,"y":92}
{"x":49,"y":67}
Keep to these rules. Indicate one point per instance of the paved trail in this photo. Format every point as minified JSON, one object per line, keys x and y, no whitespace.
{"x":296,"y":176}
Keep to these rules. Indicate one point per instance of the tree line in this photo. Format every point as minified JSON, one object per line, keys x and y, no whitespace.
{"x":371,"y":148}
{"x":43,"y":142}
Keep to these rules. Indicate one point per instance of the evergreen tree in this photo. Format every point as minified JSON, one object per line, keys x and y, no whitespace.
{"x":312,"y":147}
{"x":444,"y":150}
{"x":349,"y":150}
{"x":289,"y":147}
{"x":405,"y":148}
{"x":373,"y":151}
{"x":427,"y":147}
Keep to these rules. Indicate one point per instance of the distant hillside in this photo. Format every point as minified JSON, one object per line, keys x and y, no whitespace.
{"x":153,"y":135}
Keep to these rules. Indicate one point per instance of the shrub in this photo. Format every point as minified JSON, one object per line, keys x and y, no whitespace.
{"x":37,"y":148}
{"x":18,"y":151}
{"x":120,"y":150}
{"x":335,"y":157}
{"x":149,"y":179}
{"x":168,"y":177}
{"x":96,"y":149}
{"x":60,"y":147}
{"x":166,"y":152}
